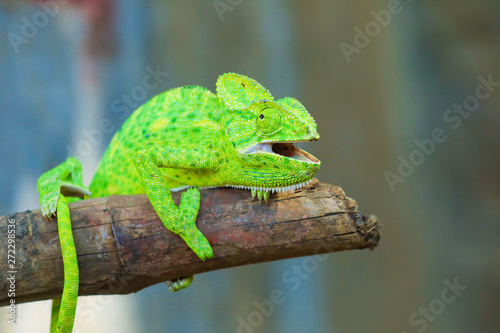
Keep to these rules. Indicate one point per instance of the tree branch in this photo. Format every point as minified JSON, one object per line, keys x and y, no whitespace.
{"x":123,"y":247}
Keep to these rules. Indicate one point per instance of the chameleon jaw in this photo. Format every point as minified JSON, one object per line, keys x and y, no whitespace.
{"x":282,"y":149}
{"x":265,"y":192}
{"x":285,"y":149}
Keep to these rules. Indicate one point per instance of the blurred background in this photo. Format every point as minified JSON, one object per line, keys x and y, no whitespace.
{"x":406,"y":97}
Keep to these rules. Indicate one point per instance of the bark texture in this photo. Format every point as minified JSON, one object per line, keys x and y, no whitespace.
{"x":123,"y":247}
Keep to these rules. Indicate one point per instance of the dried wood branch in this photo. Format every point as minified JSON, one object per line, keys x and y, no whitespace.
{"x":123,"y":247}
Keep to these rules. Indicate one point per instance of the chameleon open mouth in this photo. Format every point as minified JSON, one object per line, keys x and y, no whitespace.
{"x":287,"y":149}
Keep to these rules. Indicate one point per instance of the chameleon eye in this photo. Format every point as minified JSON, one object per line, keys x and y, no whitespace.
{"x":269,"y":121}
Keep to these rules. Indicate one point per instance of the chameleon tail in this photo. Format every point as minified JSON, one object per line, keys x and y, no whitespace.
{"x":63,"y":310}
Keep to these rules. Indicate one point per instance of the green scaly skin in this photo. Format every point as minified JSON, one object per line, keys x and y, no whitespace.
{"x":187,"y":137}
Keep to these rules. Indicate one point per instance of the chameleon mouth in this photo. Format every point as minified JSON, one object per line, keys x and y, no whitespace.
{"x":286,"y":149}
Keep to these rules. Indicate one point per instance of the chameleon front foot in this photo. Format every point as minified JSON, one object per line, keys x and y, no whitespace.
{"x":198,"y":243}
{"x":187,"y":229}
{"x":179,"y":283}
{"x":64,"y":179}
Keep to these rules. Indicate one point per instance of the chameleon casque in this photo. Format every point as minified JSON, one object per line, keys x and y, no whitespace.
{"x":186,"y":137}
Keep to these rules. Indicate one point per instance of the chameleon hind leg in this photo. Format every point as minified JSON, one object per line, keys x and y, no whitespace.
{"x":56,"y":307}
{"x":179,"y":283}
{"x":66,"y":178}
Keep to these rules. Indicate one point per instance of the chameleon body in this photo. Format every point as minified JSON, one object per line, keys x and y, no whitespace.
{"x":187,"y":137}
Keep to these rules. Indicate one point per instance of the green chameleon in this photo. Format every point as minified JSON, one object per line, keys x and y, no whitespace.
{"x":186,"y":137}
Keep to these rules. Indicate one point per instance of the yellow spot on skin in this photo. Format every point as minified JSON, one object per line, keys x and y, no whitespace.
{"x":159,"y":124}
{"x":113,"y":189}
{"x":115,"y":144}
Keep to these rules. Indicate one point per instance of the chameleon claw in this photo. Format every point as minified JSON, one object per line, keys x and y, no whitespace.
{"x":179,"y":283}
{"x":259,"y":195}
{"x":266,"y":197}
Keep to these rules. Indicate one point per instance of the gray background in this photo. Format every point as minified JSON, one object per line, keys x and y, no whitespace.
{"x":440,"y":224}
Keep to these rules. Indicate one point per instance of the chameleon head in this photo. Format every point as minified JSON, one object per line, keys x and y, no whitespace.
{"x":264,"y":133}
